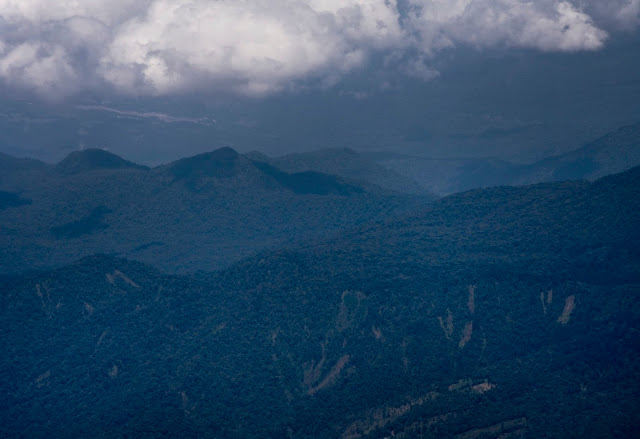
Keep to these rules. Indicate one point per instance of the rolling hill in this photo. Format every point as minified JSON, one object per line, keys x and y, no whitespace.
{"x":198,"y":213}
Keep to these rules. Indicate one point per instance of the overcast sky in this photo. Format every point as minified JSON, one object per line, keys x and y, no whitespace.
{"x":301,"y":59}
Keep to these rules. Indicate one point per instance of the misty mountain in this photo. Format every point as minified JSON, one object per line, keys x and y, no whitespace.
{"x":612,"y":153}
{"x":50,"y":133}
{"x":345,"y":163}
{"x":494,"y":313}
{"x":198,"y":213}
{"x":91,"y":160}
{"x":19,"y":172}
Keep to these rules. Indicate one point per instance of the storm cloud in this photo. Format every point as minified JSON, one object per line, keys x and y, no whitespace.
{"x":259,"y":47}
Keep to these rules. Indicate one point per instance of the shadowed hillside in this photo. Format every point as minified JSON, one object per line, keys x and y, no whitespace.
{"x":345,"y":163}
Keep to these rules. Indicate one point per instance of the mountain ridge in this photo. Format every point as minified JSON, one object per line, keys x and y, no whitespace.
{"x":193,"y":214}
{"x":614,"y":152}
{"x":92,"y":159}
{"x":345,"y":163}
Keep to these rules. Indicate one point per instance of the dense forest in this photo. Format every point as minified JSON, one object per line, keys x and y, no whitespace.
{"x":319,"y":219}
{"x":198,"y":213}
{"x":495,"y":313}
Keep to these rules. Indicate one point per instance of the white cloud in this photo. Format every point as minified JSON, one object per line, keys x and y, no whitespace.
{"x":418,"y":68}
{"x":258,"y":47}
{"x":110,"y":12}
{"x":41,"y":67}
{"x":374,"y":22}
{"x":546,"y":25}
{"x":621,"y":14}
{"x":255,"y":46}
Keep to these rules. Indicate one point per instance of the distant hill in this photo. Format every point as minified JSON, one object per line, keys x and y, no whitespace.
{"x":93,"y":159}
{"x":227,"y":163}
{"x":614,"y":152}
{"x":494,"y":313}
{"x":198,"y":213}
{"x":345,"y":163}
{"x":16,"y":173}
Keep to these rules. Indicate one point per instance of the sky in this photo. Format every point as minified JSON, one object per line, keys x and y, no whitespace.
{"x":241,"y":61}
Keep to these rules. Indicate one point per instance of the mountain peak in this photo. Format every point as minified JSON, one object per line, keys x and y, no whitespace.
{"x":218,"y":163}
{"x":93,"y":159}
{"x":224,"y":153}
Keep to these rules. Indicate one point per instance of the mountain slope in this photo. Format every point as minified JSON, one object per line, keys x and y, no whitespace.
{"x":498,"y":313}
{"x":199,"y":213}
{"x":17,"y":173}
{"x":614,"y":152}
{"x":346,"y":163}
{"x":91,"y":160}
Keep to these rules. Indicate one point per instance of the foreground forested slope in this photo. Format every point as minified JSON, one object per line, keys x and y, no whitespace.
{"x":497,"y":313}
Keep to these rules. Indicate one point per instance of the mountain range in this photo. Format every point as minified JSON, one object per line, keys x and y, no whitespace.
{"x":199,"y":213}
{"x":615,"y":152}
{"x":506,"y":312}
{"x":210,"y":210}
{"x":346,"y":163}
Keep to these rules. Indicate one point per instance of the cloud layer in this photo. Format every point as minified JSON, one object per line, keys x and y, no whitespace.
{"x":257,"y":47}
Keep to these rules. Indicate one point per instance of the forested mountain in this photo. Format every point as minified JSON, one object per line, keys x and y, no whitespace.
{"x":19,"y":172}
{"x":612,"y":153}
{"x":198,"y":213}
{"x":495,"y":313}
{"x":91,"y":160}
{"x":345,"y":163}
